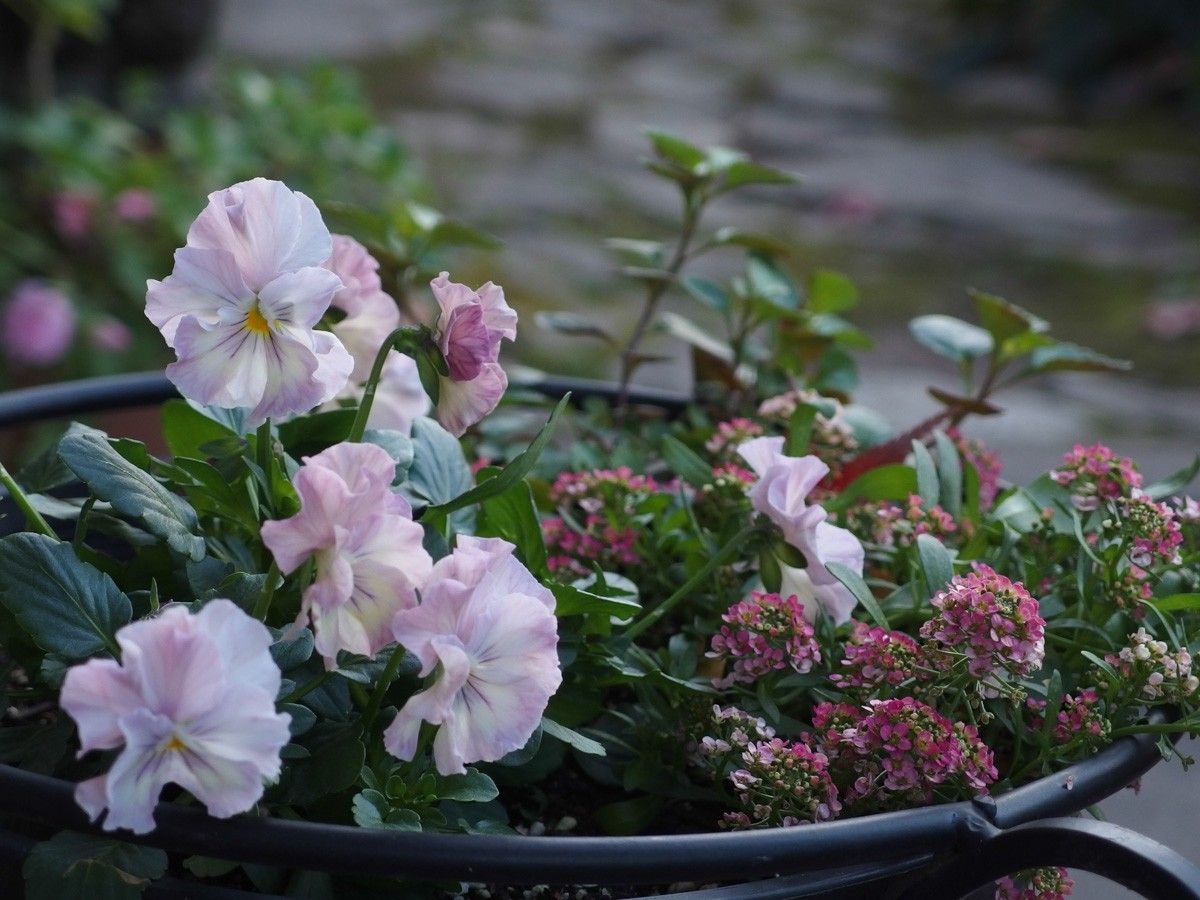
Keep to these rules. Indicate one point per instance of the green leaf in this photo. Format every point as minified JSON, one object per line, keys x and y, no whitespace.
{"x":751,"y":240}
{"x":894,"y":481}
{"x":573,"y":738}
{"x":800,"y":427}
{"x":1072,"y":358}
{"x":692,"y":334}
{"x":399,"y":447}
{"x":1004,"y":320}
{"x":512,"y":515}
{"x":708,"y":292}
{"x":310,"y":434}
{"x":951,"y":337}
{"x":770,"y":282}
{"x":831,"y":292}
{"x":1175,"y":482}
{"x":336,"y":755}
{"x":1176,"y":602}
{"x":520,"y":466}
{"x":73,"y":866}
{"x":685,"y":462}
{"x":187,"y":430}
{"x":439,"y":471}
{"x":1054,"y":699}
{"x":743,"y":172}
{"x":130,"y":490}
{"x":936,"y":562}
{"x":371,"y":809}
{"x":676,"y":150}
{"x":950,"y":474}
{"x":573,"y":325}
{"x":36,"y":748}
{"x":862,"y":593}
{"x":572,"y":600}
{"x":927,"y":478}
{"x":66,"y":606}
{"x":472,"y":787}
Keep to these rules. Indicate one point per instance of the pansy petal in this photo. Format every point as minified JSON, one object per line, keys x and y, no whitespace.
{"x":461,"y":404}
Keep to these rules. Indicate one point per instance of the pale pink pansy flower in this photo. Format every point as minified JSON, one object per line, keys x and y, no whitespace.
{"x":192,"y":703}
{"x":781,"y":492}
{"x":486,"y":632}
{"x":370,"y":314}
{"x":38,"y":324}
{"x":470,"y":327}
{"x":368,"y":550}
{"x":242,"y":302}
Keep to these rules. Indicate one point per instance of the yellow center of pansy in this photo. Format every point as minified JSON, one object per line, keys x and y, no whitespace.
{"x":255,"y":321}
{"x":175,"y":744}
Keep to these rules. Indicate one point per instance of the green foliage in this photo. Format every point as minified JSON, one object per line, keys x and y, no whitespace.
{"x":73,"y":866}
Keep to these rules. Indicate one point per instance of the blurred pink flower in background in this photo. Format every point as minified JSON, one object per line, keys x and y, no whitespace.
{"x":110,"y":334}
{"x":1170,"y":320}
{"x":371,"y":315}
{"x":72,"y":211}
{"x":38,"y":324}
{"x":135,"y":205}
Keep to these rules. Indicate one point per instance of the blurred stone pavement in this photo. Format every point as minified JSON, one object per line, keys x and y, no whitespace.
{"x":528,"y":118}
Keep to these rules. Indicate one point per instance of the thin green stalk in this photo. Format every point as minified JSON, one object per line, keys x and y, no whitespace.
{"x":262,"y":449}
{"x":1156,"y":728}
{"x":364,"y":407}
{"x":33,"y":518}
{"x":381,"y":688}
{"x":263,"y":605}
{"x":308,"y":687}
{"x":714,"y":562}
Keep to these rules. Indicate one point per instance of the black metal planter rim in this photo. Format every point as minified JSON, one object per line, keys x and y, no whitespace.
{"x":855,"y":850}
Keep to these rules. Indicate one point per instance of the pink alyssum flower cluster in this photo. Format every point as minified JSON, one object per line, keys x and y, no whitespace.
{"x":782,"y":783}
{"x":569,"y":550}
{"x":992,"y":620}
{"x":1153,"y":671}
{"x":1079,"y":719}
{"x":832,"y":439}
{"x":1152,"y":529}
{"x":1050,"y":883}
{"x":901,"y":751}
{"x":727,"y":733}
{"x":896,"y":526}
{"x":764,"y":633}
{"x":876,"y":659}
{"x":615,"y":491}
{"x":729,"y":435}
{"x":1095,"y":475}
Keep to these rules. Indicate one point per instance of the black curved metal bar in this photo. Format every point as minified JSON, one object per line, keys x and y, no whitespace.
{"x":1130,"y":859}
{"x":90,"y":395}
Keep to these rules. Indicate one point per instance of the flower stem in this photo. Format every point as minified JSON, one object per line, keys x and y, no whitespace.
{"x":714,"y":562}
{"x":308,"y":687}
{"x":33,"y":518}
{"x":392,"y":342}
{"x":263,"y":453}
{"x":381,"y":688}
{"x":1156,"y":728}
{"x":263,"y":605}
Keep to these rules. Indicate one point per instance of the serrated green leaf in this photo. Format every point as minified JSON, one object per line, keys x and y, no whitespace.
{"x":131,"y":491}
{"x":66,"y":606}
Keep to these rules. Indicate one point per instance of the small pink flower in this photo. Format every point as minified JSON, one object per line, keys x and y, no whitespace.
{"x":485,"y":630}
{"x":368,"y":550}
{"x":1051,"y":883}
{"x":110,"y":334}
{"x":370,"y":314}
{"x":72,"y":212}
{"x":470,"y":328}
{"x":38,"y":324}
{"x":192,"y":703}
{"x":762,"y":634}
{"x":135,"y":205}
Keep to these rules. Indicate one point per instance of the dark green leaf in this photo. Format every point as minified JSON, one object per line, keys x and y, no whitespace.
{"x":1073,"y":358}
{"x":1005,"y":320}
{"x":744,"y":172}
{"x":894,"y":481}
{"x":73,"y":866}
{"x":936,"y":562}
{"x":676,"y":150}
{"x":927,"y":478}
{"x":130,"y":490}
{"x":685,"y":462}
{"x":629,"y":816}
{"x":831,"y":292}
{"x":187,"y":430}
{"x":398,"y":445}
{"x":573,"y":325}
{"x":1176,"y":602}
{"x":862,"y":593}
{"x":770,"y":282}
{"x":66,"y":606}
{"x":751,"y":240}
{"x":573,"y":738}
{"x":439,"y":471}
{"x":708,"y":292}
{"x":520,"y":466}
{"x":577,"y":601}
{"x":950,"y":476}
{"x":472,"y":787}
{"x":512,"y":515}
